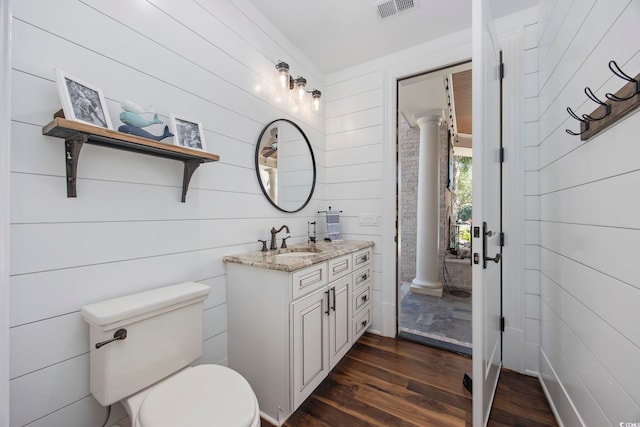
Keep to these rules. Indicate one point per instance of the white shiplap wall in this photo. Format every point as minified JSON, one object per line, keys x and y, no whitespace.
{"x":127,"y":231}
{"x":588,"y":276}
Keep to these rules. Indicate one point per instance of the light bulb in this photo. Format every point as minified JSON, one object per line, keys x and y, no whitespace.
{"x":316,"y":99}
{"x":283,"y":72}
{"x":301,"y":87}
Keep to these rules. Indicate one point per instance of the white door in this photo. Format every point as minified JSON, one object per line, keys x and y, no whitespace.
{"x":487,"y":337}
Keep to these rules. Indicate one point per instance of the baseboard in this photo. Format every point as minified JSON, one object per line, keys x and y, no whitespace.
{"x":444,"y":345}
{"x":552,"y":405}
{"x":560,"y":398}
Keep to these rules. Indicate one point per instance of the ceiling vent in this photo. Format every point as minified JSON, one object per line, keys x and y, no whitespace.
{"x":388,"y":8}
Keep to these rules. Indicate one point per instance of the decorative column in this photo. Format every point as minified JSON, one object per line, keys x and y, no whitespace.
{"x":427,"y":280}
{"x":273,"y":184}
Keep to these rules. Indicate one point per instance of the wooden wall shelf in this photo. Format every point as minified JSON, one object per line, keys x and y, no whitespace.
{"x":76,"y":134}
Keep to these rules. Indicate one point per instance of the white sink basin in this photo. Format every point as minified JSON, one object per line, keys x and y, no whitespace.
{"x":295,"y":254}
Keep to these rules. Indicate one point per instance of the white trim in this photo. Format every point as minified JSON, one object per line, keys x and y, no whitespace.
{"x":513,"y":202}
{"x":447,"y":54}
{"x":5,"y":142}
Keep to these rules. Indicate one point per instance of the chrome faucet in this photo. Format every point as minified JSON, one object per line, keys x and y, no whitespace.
{"x":273,"y":236}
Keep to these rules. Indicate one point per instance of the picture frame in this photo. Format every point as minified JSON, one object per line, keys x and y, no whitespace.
{"x":187,"y":132}
{"x":82,"y":101}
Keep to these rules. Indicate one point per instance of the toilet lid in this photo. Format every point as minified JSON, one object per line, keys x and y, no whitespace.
{"x":203,"y":396}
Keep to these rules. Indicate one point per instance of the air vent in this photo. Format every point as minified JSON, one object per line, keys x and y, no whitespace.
{"x":403,"y":5}
{"x":389,"y":8}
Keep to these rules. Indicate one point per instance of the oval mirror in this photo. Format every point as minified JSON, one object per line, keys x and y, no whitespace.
{"x":285,"y":165}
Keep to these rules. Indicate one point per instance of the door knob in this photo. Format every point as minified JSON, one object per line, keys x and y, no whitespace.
{"x":486,"y":233}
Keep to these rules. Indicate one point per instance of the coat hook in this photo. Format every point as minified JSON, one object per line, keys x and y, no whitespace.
{"x":575,"y":116}
{"x":594,"y":98}
{"x":615,"y":69}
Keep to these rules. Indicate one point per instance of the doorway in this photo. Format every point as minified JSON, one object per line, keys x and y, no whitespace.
{"x":437,"y":317}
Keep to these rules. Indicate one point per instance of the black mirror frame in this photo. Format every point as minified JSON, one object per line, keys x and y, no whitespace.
{"x":257,"y":165}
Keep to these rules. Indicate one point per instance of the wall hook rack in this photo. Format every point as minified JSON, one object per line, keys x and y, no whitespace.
{"x":594,"y":98}
{"x":617,"y":105}
{"x":584,"y":125}
{"x":615,"y":69}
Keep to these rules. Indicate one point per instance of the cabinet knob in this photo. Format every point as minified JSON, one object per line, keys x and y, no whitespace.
{"x":364,"y":298}
{"x":364,"y":323}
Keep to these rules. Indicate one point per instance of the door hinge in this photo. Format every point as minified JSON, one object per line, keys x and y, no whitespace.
{"x":501,"y":154}
{"x":501,"y":70}
{"x":502,"y":324}
{"x":501,"y":238}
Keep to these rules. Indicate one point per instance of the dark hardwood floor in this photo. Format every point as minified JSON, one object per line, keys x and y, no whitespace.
{"x":389,"y":382}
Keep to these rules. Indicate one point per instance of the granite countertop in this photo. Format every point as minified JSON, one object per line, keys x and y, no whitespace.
{"x":298,"y":256}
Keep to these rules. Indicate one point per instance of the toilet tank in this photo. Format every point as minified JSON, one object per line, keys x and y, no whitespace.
{"x":164,"y":334}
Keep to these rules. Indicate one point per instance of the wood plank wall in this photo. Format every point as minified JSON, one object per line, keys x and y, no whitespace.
{"x":586,"y":255}
{"x":212,"y":60}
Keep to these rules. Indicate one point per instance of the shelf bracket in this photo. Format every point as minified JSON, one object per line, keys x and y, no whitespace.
{"x":72,"y":147}
{"x":190,"y":167}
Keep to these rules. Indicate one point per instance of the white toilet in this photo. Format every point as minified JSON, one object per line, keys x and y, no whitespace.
{"x":148,"y":370}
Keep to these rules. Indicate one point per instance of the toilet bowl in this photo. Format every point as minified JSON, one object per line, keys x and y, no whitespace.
{"x":141,"y":346}
{"x":202,"y":396}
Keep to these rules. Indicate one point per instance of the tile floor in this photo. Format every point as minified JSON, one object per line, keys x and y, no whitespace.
{"x":446,"y":319}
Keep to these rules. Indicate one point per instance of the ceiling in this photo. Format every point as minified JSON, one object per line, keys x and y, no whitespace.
{"x":426,"y":92}
{"x":337,"y":34}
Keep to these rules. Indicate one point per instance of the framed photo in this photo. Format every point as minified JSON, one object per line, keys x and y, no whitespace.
{"x":82,"y":101}
{"x":187,"y":133}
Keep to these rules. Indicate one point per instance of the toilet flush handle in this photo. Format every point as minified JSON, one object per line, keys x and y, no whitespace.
{"x":120,"y":334}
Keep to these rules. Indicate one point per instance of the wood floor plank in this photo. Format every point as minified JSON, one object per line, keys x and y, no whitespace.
{"x":343,"y":395}
{"x":390,"y":382}
{"x":432,"y":370}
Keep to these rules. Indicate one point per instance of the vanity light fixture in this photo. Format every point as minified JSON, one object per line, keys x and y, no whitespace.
{"x":283,"y":72}
{"x":315,"y":94}
{"x":299,"y":85}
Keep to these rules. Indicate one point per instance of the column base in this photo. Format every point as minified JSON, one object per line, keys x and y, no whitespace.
{"x":426,"y":288}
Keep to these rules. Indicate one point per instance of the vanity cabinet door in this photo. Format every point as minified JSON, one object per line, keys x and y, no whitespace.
{"x":339,"y":319}
{"x":310,"y":340}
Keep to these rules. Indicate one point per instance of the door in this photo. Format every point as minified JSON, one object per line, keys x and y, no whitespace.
{"x":310,"y":336}
{"x":486,"y":274}
{"x":339,"y":319}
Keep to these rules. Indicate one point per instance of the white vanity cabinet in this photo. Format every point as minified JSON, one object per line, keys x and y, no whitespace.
{"x":361,"y":293}
{"x":288,"y":329}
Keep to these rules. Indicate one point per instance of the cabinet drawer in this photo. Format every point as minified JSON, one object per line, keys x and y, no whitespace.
{"x":361,"y":276}
{"x":361,"y":298}
{"x":339,"y":267}
{"x":361,"y":257}
{"x":361,"y":322}
{"x":308,"y":279}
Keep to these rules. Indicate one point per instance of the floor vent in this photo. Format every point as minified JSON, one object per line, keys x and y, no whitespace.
{"x":389,"y":8}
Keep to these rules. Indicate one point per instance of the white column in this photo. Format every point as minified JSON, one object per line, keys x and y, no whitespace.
{"x":427,"y":280}
{"x":273,"y":184}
